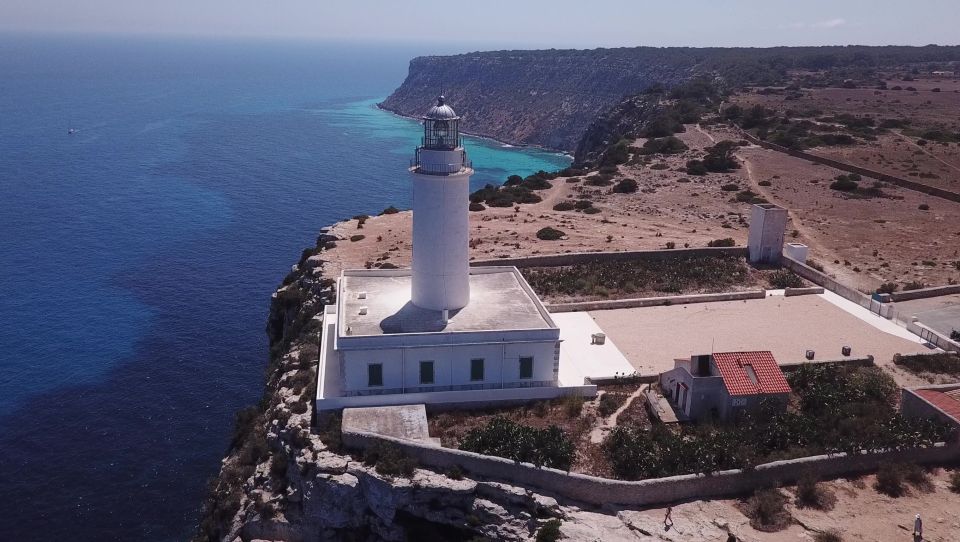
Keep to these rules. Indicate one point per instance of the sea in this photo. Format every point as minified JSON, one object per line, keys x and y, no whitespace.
{"x":138,"y":253}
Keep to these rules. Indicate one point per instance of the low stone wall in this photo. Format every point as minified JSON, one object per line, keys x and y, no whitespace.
{"x":848,"y":362}
{"x":604,"y":491}
{"x":556,"y":260}
{"x":823,"y":280}
{"x":654,"y":301}
{"x":880,"y":176}
{"x":630,"y":379}
{"x":921,"y":293}
{"x":790,"y":292}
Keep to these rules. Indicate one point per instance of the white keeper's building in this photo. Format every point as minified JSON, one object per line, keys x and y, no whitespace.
{"x":441,"y":332}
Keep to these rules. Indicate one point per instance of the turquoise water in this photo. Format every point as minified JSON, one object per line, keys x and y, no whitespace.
{"x":137,"y":256}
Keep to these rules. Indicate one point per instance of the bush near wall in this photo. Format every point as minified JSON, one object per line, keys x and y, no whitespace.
{"x":838,"y":409}
{"x":502,"y":437}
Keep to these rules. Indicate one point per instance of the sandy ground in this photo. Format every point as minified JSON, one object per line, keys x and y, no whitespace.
{"x":860,"y":514}
{"x":652,"y":337}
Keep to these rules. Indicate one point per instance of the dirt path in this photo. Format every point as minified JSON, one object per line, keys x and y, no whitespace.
{"x":598,"y":433}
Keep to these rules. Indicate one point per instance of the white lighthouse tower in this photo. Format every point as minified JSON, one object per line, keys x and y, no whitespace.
{"x":441,"y":230}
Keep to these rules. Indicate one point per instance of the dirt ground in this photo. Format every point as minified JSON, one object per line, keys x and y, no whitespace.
{"x":863,"y":242}
{"x":860,"y":514}
{"x":935,"y":164}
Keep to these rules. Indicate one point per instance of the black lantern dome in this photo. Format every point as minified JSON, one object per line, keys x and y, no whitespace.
{"x":441,"y":127}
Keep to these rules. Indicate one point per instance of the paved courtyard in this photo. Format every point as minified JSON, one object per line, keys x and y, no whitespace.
{"x":942,"y":314}
{"x":652,"y":337}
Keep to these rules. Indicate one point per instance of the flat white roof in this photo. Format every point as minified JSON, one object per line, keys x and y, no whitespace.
{"x":579,"y":358}
{"x":500,"y":300}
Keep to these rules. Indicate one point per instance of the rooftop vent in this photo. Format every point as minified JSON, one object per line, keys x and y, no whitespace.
{"x":598,"y":338}
{"x":363,"y":311}
{"x":361,"y":295}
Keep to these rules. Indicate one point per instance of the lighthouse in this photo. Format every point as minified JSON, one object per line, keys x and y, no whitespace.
{"x":441,"y":232}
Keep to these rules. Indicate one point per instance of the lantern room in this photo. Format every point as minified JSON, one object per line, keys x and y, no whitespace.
{"x":441,"y":127}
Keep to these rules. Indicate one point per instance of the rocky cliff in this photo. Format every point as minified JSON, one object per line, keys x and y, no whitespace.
{"x":545,"y":98}
{"x":287,"y":477}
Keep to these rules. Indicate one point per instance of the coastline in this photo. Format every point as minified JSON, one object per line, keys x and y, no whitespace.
{"x":504,"y":142}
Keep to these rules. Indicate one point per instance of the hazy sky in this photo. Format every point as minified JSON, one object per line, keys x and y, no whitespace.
{"x":499,"y":23}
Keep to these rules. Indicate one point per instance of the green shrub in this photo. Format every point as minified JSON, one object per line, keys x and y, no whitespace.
{"x":914,"y":285}
{"x":813,"y":494}
{"x":720,"y":157}
{"x":784,"y":278}
{"x":955,"y":481}
{"x":891,"y":480}
{"x":455,"y":473}
{"x":591,"y":211}
{"x":582,"y":204}
{"x":389,"y":460}
{"x":887,"y":288}
{"x":696,"y":167}
{"x":549,"y":531}
{"x":390,"y":211}
{"x":767,"y":510}
{"x":549,"y":447}
{"x":664,"y":145}
{"x":845,"y":183}
{"x":358,"y":237}
{"x":955,"y":335}
{"x":725,"y":242}
{"x":764,"y":183}
{"x":549,"y":234}
{"x":474,"y":206}
{"x":924,"y":207}
{"x":601,"y":179}
{"x":626,"y":186}
{"x":513,"y":180}
{"x":572,"y":405}
{"x":731,"y":187}
{"x":828,"y":536}
{"x":564,"y":206}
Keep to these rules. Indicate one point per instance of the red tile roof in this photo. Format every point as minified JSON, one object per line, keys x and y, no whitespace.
{"x":948,"y":402}
{"x":733,"y":369}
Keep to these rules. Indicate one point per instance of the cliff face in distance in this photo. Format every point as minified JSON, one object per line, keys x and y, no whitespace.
{"x":550,"y":97}
{"x":545,"y":98}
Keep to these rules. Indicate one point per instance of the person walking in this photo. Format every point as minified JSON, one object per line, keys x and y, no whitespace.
{"x":668,"y":519}
{"x":917,"y":529}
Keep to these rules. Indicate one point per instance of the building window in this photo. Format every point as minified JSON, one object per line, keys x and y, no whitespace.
{"x":476,"y":369}
{"x":374,"y":375}
{"x":526,"y":367}
{"x":426,"y":372}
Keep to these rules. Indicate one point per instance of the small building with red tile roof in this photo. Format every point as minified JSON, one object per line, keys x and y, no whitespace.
{"x":724,"y":385}
{"x":941,"y":403}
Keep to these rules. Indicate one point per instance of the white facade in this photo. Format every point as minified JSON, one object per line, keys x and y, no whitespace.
{"x":768,"y":222}
{"x":366,"y":360}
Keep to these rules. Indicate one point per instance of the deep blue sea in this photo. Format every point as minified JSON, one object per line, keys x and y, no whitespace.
{"x":138,"y":255}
